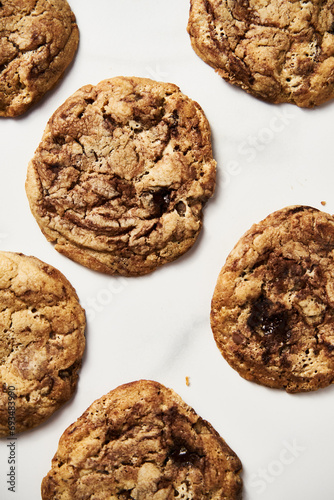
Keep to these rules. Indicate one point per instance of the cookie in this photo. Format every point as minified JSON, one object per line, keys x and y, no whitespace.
{"x":38,"y":40}
{"x":41,"y":341}
{"x":278,"y":51}
{"x":272,"y":310}
{"x":121,"y":175}
{"x":141,"y":441}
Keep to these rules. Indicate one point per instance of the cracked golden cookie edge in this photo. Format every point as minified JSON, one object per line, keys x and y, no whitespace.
{"x":36,"y":51}
{"x":132,"y":188}
{"x":139,"y":439}
{"x":272,"y":308}
{"x":42,"y":341}
{"x":281,"y":53}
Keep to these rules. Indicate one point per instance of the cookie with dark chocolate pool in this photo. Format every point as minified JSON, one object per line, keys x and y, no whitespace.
{"x":272,"y":312}
{"x":142,"y":441}
{"x":121,"y":176}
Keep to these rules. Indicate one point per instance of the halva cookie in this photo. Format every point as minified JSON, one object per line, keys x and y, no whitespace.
{"x":277,"y":50}
{"x":38,"y":40}
{"x":41,"y":341}
{"x":121,"y":175}
{"x":141,"y":441}
{"x":273,"y":306}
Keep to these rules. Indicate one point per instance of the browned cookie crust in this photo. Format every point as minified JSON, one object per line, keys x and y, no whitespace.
{"x":273,"y":307}
{"x":41,"y":341}
{"x":38,"y":40}
{"x":121,"y":175}
{"x":141,"y":441}
{"x":278,"y":50}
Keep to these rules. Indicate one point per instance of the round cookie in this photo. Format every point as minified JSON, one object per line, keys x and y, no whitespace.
{"x":278,"y":50}
{"x":41,"y":341}
{"x":121,"y":175}
{"x":272,"y":310}
{"x":38,"y":40}
{"x":141,"y":441}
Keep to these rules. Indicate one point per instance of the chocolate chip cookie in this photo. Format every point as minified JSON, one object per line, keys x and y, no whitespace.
{"x":141,"y":441}
{"x":273,"y":306}
{"x":38,"y":40}
{"x":121,"y":175}
{"x":277,"y":50}
{"x":41,"y":341}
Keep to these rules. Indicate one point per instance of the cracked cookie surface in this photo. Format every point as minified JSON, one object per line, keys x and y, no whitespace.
{"x":41,"y":341}
{"x":142,"y":441}
{"x":272,"y":309}
{"x":121,"y":175}
{"x":277,"y":50}
{"x":38,"y":40}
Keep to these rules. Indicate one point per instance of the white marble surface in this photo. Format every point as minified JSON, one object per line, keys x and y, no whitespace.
{"x":158,"y":326}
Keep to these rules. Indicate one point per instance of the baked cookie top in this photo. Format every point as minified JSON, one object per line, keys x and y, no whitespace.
{"x":141,"y":441}
{"x":277,"y":50}
{"x":273,"y":306}
{"x":38,"y":40}
{"x":120,"y":177}
{"x":41,"y":341}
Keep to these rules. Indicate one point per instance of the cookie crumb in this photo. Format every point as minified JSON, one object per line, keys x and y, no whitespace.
{"x":323,"y":203}
{"x":187,"y":381}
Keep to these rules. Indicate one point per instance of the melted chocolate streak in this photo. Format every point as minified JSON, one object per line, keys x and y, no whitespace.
{"x":273,"y":325}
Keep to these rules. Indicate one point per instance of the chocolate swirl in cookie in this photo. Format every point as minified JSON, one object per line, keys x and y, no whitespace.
{"x":279,"y":51}
{"x":121,"y":175}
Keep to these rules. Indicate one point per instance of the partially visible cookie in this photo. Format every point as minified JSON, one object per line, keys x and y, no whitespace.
{"x":41,"y":341}
{"x":121,"y":175}
{"x":141,"y":441}
{"x":38,"y":40}
{"x":273,"y":306}
{"x":278,"y":50}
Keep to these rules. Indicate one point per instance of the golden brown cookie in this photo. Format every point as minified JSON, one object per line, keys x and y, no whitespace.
{"x":38,"y":40}
{"x":121,"y":175}
{"x":273,"y":306}
{"x":41,"y":341}
{"x":141,"y":441}
{"x":278,"y":50}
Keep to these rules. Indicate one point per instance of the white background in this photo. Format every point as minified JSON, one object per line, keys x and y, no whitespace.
{"x":158,"y":326}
